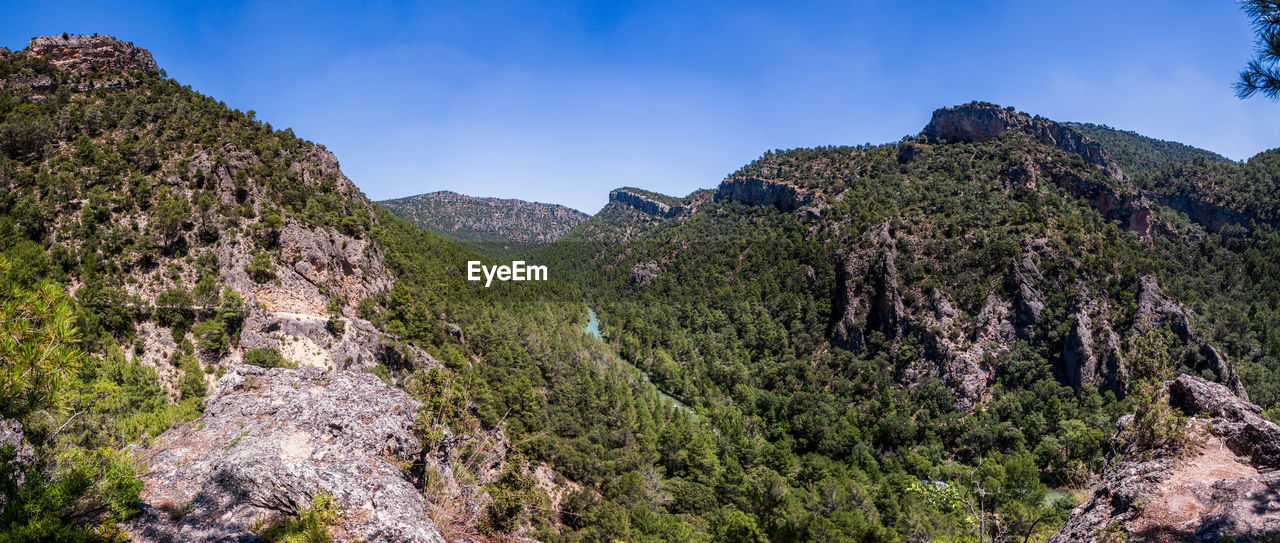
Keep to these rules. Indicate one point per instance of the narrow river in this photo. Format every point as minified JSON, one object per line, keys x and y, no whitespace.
{"x":593,"y":328}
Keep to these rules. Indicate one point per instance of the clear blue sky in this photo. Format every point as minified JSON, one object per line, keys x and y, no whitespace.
{"x":561,"y":102}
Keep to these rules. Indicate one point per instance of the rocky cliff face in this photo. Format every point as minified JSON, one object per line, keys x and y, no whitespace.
{"x":1211,"y":216}
{"x":268,"y":441}
{"x":1222,"y":491}
{"x":960,"y":349}
{"x":756,"y":191}
{"x":82,"y":55}
{"x":645,"y":203}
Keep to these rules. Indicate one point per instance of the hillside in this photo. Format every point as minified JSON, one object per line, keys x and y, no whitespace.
{"x":486,"y":224}
{"x":1134,"y":152}
{"x":174,"y":261}
{"x":970,"y":297}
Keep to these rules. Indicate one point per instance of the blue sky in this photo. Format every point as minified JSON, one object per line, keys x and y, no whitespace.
{"x":561,"y":102}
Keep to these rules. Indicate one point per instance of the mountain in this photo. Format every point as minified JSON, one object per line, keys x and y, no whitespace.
{"x":974,"y":296}
{"x":998,"y":329}
{"x":486,"y":224}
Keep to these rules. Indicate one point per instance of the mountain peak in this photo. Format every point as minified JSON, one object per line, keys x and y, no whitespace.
{"x":977,"y":122}
{"x":87,"y":54}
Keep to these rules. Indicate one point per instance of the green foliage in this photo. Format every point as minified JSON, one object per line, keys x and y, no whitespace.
{"x":261,"y":269}
{"x":267,"y":357}
{"x":192,"y":386}
{"x":174,"y":310}
{"x":309,"y":525}
{"x":38,"y":351}
{"x":84,"y":495}
{"x":1157,"y":428}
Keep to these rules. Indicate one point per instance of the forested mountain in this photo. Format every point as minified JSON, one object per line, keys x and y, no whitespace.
{"x":486,"y":224}
{"x":210,"y":334}
{"x":968,"y":306}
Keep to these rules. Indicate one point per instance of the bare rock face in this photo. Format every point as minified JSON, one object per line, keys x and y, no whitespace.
{"x":756,"y":191}
{"x":1024,"y":281}
{"x":867,"y":296}
{"x":82,"y":55}
{"x":268,"y":441}
{"x":644,"y":273}
{"x":1224,"y":491}
{"x":868,"y":300}
{"x":1092,"y":353}
{"x":644,"y":203}
{"x":1211,"y":216}
{"x":308,"y":340}
{"x":1155,"y":308}
{"x":1239,"y":423}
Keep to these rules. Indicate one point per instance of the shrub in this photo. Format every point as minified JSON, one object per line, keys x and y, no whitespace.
{"x":311,"y":525}
{"x":267,"y":357}
{"x":261,"y":269}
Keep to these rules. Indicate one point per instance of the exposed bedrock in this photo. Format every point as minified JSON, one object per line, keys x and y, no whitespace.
{"x":1224,"y":489}
{"x":756,"y":191}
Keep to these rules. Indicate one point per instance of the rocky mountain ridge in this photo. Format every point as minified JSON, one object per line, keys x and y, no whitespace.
{"x":516,"y":223}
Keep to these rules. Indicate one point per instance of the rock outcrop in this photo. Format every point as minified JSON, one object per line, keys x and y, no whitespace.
{"x":1155,"y":308}
{"x":1091,"y":356}
{"x":1224,"y":490}
{"x":645,"y":203}
{"x":308,"y":340}
{"x":756,"y":191}
{"x":83,"y":55}
{"x":1211,"y":216}
{"x":977,"y":122}
{"x":1239,"y":423}
{"x":869,"y":300}
{"x":644,"y":273}
{"x":268,"y":441}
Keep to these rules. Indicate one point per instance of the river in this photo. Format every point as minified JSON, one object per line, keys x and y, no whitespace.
{"x":593,"y":328}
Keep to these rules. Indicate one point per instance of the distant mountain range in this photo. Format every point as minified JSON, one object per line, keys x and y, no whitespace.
{"x":487,"y":224}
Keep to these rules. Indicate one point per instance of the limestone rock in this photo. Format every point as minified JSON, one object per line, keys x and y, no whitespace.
{"x":82,"y":55}
{"x":1239,"y":423}
{"x":977,"y":122}
{"x":644,"y":273}
{"x":646,"y":204}
{"x":270,"y":439}
{"x":756,"y":191}
{"x":982,"y":122}
{"x":1223,"y":491}
{"x":1155,"y":308}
